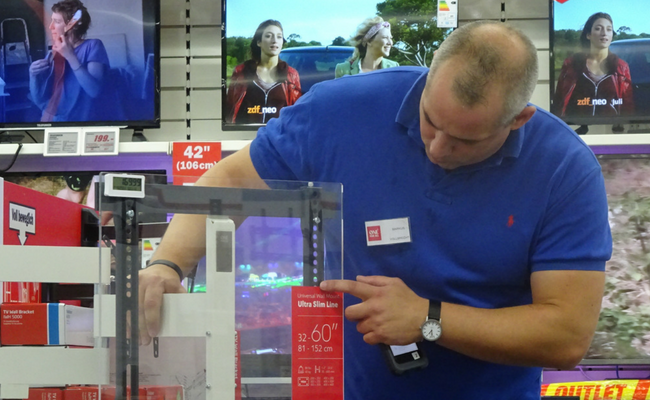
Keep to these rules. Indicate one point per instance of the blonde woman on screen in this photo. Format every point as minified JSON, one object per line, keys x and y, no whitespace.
{"x":372,"y":44}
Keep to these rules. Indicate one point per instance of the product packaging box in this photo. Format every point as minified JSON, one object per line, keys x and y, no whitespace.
{"x":21,"y":292}
{"x":147,"y":392}
{"x":31,"y":218}
{"x":45,"y":394}
{"x":159,"y":392}
{"x":81,"y":393}
{"x":46,"y":324}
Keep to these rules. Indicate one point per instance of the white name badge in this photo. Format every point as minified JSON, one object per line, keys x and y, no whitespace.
{"x":388,"y":231}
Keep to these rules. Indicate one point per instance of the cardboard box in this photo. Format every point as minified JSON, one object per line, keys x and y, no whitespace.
{"x":147,"y":392}
{"x":31,"y":218}
{"x":158,"y":392}
{"x":21,"y":292}
{"x":45,"y":394}
{"x":46,"y":324}
{"x":81,"y":393}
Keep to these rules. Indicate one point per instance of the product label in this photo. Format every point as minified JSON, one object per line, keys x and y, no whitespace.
{"x":101,"y":142}
{"x":192,"y":159}
{"x":22,"y":219}
{"x":317,"y":344}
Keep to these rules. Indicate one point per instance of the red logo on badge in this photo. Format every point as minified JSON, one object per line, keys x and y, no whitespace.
{"x":374,"y":233}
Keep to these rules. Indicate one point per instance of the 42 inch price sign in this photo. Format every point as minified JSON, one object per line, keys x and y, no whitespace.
{"x":317,"y":344}
{"x":191,"y":159}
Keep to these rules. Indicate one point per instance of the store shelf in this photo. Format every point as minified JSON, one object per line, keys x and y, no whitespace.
{"x":230,"y":146}
{"x":22,"y":366}
{"x":126,"y":147}
{"x":233,"y":145}
{"x":227,"y":146}
{"x":183,"y":315}
{"x":619,"y":139}
{"x":54,"y":264}
{"x":42,"y":365}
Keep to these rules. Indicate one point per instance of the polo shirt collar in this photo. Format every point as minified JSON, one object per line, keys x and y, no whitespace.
{"x":409,"y":112}
{"x":409,"y":117}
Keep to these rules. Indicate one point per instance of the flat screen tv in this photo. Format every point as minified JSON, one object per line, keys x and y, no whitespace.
{"x":79,"y":63}
{"x":600,"y":61}
{"x":315,"y":37}
{"x":623,"y":331}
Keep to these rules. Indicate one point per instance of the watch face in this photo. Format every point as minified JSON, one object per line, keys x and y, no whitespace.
{"x":431,"y":330}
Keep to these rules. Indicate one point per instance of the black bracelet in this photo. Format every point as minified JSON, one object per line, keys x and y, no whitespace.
{"x":170,"y":264}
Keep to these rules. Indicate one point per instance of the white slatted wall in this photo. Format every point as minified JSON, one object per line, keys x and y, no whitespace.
{"x":198,"y":23}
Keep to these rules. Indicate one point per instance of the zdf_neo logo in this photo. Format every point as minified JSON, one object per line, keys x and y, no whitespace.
{"x":262,"y":110}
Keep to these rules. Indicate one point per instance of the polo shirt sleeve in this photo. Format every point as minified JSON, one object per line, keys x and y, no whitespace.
{"x":282,"y":149}
{"x":574,"y":233}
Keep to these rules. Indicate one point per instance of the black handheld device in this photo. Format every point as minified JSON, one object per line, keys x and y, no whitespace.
{"x":401,"y":359}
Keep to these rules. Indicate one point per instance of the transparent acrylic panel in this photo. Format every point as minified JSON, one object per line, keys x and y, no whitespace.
{"x":251,"y":243}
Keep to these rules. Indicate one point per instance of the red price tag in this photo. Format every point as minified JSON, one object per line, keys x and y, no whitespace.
{"x":100,"y":141}
{"x":316,"y":344}
{"x":192,"y":159}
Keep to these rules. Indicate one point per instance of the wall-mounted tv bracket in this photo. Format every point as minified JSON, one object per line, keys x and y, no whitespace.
{"x":127,"y":257}
{"x":313,"y":241}
{"x":306,"y":203}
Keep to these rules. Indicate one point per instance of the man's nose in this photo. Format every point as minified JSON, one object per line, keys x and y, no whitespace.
{"x":441,"y":146}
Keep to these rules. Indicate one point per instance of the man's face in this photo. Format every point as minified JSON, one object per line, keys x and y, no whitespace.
{"x":455,"y":135}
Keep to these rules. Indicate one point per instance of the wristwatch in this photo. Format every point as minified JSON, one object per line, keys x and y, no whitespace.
{"x":431,"y":328}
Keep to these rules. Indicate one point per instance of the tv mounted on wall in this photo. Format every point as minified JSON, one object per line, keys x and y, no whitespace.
{"x":85,"y":63}
{"x":615,"y":86}
{"x":316,"y":38}
{"x":622,"y":334}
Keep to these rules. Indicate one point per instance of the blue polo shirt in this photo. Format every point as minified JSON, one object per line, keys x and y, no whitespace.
{"x":478,"y":232}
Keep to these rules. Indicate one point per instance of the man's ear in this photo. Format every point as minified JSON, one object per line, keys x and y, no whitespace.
{"x":524,"y":116}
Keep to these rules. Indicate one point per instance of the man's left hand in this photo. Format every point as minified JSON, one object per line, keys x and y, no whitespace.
{"x":389,"y":312}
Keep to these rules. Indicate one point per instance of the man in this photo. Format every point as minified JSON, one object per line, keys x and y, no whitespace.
{"x":507,"y":210}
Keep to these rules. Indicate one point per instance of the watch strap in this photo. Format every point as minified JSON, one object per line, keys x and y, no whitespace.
{"x":434,"y":310}
{"x":170,"y":264}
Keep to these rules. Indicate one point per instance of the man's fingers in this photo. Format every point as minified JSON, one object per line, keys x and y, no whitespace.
{"x":356,"y":289}
{"x":150,"y":313}
{"x":144,"y":338}
{"x":356,"y":312}
{"x":375,"y":280}
{"x":371,"y":338}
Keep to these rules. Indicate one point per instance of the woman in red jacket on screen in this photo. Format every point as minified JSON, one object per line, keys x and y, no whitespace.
{"x":261,"y":86}
{"x":595,"y":82}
